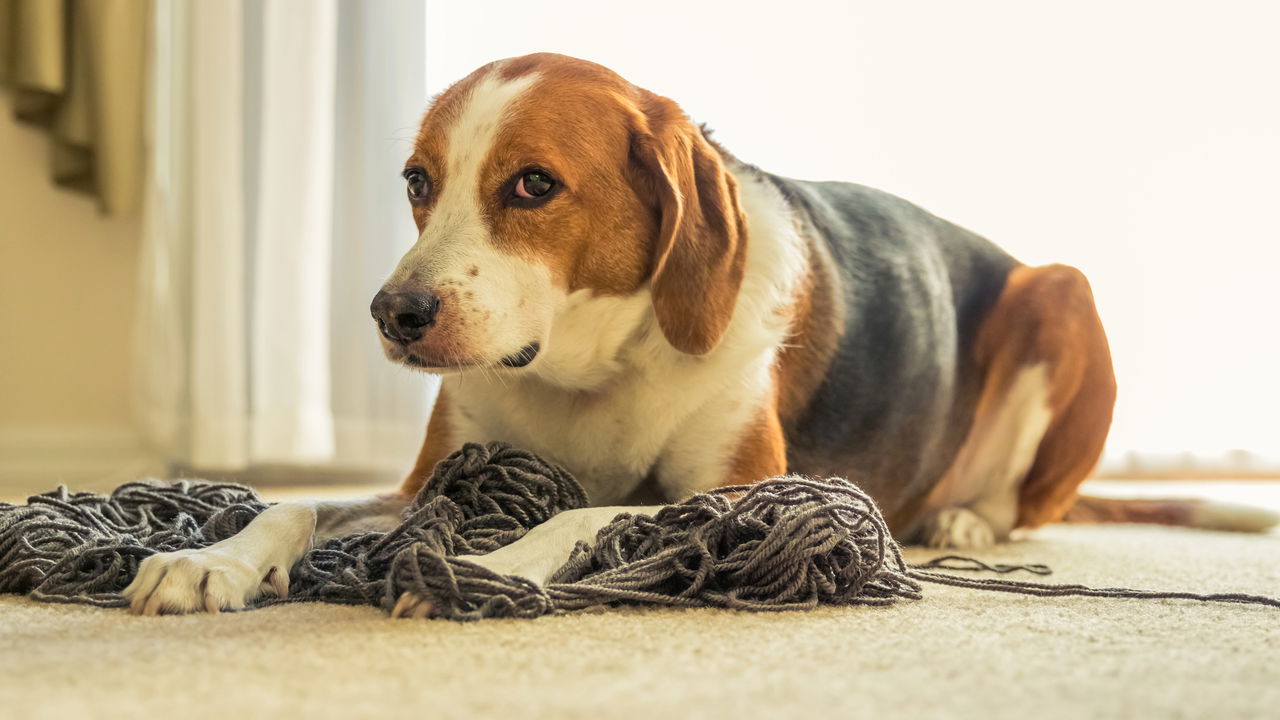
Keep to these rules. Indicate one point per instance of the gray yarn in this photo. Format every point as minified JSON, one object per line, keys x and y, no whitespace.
{"x":478,"y":499}
{"x":955,"y":562}
{"x":85,"y":548}
{"x":782,"y":544}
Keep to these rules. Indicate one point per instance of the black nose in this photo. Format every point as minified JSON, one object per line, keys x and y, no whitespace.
{"x":402,"y":317}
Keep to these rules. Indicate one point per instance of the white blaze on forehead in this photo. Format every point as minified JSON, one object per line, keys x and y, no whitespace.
{"x":504,"y":301}
{"x":470,"y":142}
{"x":456,"y":232}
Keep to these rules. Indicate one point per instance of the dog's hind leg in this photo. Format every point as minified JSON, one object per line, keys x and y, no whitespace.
{"x":977,"y":504}
{"x":231,"y":573}
{"x":1041,"y":420}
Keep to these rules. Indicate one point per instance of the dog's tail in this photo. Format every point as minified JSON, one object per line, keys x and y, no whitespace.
{"x":1206,"y":514}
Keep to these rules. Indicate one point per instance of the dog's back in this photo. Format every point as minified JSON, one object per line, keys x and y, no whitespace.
{"x":907,"y":292}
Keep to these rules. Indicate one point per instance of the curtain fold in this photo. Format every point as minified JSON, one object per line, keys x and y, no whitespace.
{"x":77,"y":68}
{"x":274,"y":211}
{"x":289,"y":348}
{"x":206,"y":178}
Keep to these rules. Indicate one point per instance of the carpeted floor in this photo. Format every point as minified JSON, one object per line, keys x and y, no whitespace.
{"x":956,"y":653}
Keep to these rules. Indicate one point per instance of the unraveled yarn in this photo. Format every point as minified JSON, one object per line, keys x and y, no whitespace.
{"x":85,"y":548}
{"x":782,"y":544}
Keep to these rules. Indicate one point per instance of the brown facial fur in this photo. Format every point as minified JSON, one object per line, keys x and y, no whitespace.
{"x":446,"y":345}
{"x":641,"y":195}
{"x":594,"y":233}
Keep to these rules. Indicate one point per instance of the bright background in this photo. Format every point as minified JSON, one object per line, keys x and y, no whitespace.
{"x":1139,"y":141}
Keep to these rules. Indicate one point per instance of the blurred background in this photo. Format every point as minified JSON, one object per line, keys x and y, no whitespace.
{"x":198,"y":200}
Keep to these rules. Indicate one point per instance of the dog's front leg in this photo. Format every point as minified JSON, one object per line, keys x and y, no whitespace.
{"x":235,"y":571}
{"x":538,"y":554}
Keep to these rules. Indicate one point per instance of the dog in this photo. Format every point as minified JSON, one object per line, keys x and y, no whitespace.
{"x":597,"y":280}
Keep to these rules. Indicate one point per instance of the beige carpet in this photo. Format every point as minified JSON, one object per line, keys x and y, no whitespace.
{"x":956,"y":653}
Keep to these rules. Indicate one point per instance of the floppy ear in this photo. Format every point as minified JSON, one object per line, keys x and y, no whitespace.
{"x":701,"y":248}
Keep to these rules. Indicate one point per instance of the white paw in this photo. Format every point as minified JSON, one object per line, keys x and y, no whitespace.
{"x":510,"y":561}
{"x":208,"y":580}
{"x":959,"y":528}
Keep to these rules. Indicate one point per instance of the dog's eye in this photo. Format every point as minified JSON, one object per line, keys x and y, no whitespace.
{"x":418,"y":184}
{"x":534,"y":184}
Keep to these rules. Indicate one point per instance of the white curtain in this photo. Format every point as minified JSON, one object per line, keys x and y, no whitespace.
{"x":274,"y":211}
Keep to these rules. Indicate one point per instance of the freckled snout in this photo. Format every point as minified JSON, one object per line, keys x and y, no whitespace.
{"x":403,"y":317}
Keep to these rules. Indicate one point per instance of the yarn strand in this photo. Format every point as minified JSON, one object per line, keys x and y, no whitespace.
{"x":788,"y":543}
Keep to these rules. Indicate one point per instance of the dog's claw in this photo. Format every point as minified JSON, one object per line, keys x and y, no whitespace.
{"x":152,"y":608}
{"x":406,"y":600}
{"x":422,"y":611}
{"x":410,"y":605}
{"x":202,"y":580}
{"x":279,"y":583}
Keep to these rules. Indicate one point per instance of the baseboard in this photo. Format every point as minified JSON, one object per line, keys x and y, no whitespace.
{"x":83,"y":457}
{"x":1190,"y":465}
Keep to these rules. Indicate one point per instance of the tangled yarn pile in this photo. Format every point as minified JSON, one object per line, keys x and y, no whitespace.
{"x":782,"y":544}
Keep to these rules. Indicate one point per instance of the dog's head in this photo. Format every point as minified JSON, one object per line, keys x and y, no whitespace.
{"x":541,"y":183}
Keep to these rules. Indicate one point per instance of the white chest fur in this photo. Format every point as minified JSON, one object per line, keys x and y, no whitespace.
{"x":612,"y":436}
{"x":612,"y":401}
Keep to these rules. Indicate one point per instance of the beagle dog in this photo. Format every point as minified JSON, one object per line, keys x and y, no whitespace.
{"x":598,"y":281}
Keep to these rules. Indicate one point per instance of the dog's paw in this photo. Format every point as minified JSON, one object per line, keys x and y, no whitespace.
{"x":411,"y":605}
{"x":958,"y":528}
{"x":208,"y":580}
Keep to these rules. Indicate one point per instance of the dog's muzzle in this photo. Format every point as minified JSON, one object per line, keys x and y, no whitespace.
{"x":404,"y":317}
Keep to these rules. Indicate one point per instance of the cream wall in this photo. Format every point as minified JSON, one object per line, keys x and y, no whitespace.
{"x":1137,"y":140}
{"x":66,"y":302}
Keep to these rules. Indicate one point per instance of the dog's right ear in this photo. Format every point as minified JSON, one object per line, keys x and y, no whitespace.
{"x":701,"y":248}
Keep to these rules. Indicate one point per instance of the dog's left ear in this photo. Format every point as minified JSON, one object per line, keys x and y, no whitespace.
{"x":701,"y":248}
